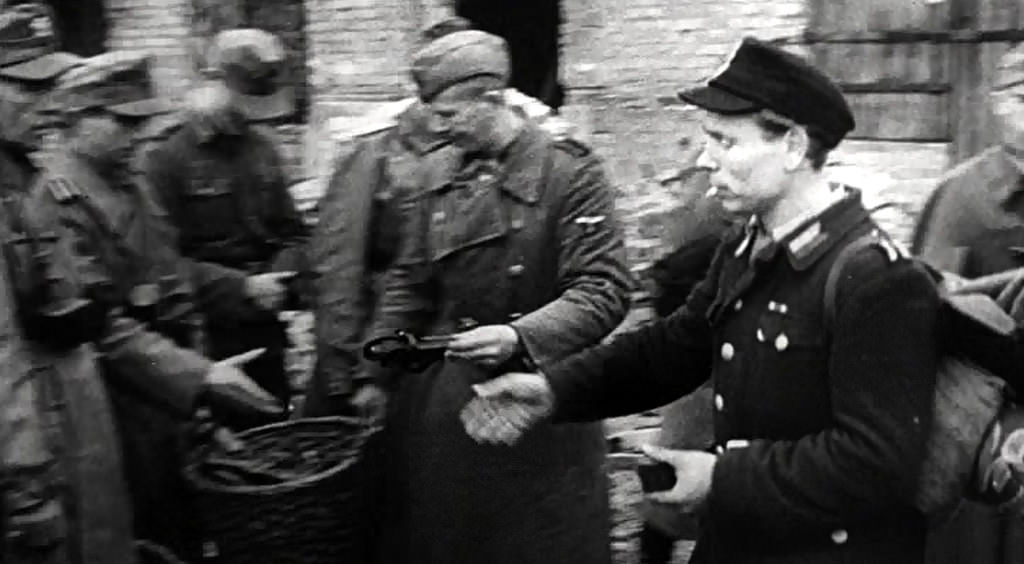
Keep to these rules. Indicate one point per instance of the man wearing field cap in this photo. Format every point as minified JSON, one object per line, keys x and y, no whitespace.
{"x":115,"y":249}
{"x":221,"y":177}
{"x":819,"y":420}
{"x":512,"y":246}
{"x":63,"y":498}
{"x":973,"y":225}
{"x":373,"y":163}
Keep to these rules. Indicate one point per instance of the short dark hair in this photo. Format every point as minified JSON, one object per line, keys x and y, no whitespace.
{"x":445,"y":27}
{"x":817,"y":151}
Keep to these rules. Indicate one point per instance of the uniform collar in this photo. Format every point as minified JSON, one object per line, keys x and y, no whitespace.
{"x":519,"y":165}
{"x":810,"y":236}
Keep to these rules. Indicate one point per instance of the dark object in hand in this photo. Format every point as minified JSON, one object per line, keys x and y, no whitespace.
{"x":656,"y":476}
{"x":406,"y":350}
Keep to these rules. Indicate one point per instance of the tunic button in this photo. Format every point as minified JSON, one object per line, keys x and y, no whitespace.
{"x":760,"y":335}
{"x":516,"y":270}
{"x":728,"y":351}
{"x":783,"y":309}
{"x":517,"y":224}
{"x":738,"y":305}
{"x":719,"y":402}
{"x":781,"y":342}
{"x":772,"y":306}
{"x":719,"y":449}
{"x":840,"y":536}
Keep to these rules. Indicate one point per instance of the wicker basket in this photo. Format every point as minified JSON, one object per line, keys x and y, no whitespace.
{"x":252,"y":510}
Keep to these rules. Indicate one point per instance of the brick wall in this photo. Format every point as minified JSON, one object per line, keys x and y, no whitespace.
{"x":623,"y":62}
{"x":158,"y":26}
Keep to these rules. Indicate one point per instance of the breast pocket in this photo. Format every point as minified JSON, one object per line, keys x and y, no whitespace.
{"x":463,"y":216}
{"x":208,"y":209}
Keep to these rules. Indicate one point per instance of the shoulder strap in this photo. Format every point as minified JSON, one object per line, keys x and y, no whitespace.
{"x":836,"y":270}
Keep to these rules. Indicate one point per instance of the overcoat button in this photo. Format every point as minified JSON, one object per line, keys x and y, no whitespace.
{"x":840,"y":536}
{"x":517,"y":224}
{"x":781,"y":342}
{"x":772,"y":306}
{"x":728,"y":351}
{"x":516,"y":270}
{"x":738,"y":305}
{"x":783,"y":308}
{"x":719,"y":449}
{"x":514,"y":316}
{"x":719,"y":402}
{"x":760,"y":335}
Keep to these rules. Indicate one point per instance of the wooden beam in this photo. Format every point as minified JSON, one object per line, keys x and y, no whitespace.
{"x":909,"y":36}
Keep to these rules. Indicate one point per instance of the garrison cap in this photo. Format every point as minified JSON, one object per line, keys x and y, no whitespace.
{"x":458,"y":57}
{"x":28,"y":44}
{"x":759,"y":76}
{"x":117,"y":81}
{"x":251,"y":62}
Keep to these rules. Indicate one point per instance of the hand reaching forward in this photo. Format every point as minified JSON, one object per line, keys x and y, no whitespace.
{"x":229,"y":390}
{"x":507,"y":406}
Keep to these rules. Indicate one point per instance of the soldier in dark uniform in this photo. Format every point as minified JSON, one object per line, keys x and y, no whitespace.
{"x":512,"y":243}
{"x":973,"y":225}
{"x":221,"y":178}
{"x":113,"y":247}
{"x":820,"y":427}
{"x":355,"y":241}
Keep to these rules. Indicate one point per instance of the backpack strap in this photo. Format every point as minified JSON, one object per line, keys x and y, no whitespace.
{"x":875,"y":239}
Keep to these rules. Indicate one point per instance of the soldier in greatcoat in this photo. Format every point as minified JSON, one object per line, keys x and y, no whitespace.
{"x":113,"y":247}
{"x":511,"y":243}
{"x":821,"y":414}
{"x":63,"y":499}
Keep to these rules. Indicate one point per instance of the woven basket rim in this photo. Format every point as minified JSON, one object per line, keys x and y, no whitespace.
{"x":201,"y":485}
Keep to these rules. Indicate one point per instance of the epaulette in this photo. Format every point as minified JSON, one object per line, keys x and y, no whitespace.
{"x":572,"y":146}
{"x":63,"y":190}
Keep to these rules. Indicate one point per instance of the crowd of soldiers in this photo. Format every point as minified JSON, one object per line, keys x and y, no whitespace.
{"x":148,"y":257}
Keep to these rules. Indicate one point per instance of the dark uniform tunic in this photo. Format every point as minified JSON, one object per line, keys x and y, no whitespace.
{"x":820,"y":430}
{"x":355,"y":240}
{"x":114,"y":240}
{"x":973,"y":225}
{"x":63,"y":498}
{"x":531,"y":240}
{"x":228,"y":198}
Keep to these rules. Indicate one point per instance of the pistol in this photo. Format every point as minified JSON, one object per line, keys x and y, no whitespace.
{"x":407,"y":351}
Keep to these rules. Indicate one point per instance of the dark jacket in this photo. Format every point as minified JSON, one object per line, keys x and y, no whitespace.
{"x":227,"y":197}
{"x":973,"y":225}
{"x":63,"y":498}
{"x":820,"y":430}
{"x":356,"y":239}
{"x":531,"y":240}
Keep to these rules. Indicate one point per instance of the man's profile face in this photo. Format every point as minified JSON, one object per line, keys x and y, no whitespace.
{"x":464,"y":116}
{"x":747,"y":168}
